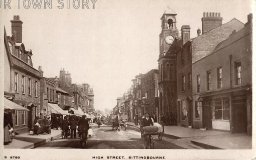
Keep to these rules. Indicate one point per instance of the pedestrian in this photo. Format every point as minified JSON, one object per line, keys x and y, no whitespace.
{"x":36,"y":126}
{"x":8,"y":126}
{"x":147,"y":121}
{"x":73,"y":125}
{"x":65,"y":127}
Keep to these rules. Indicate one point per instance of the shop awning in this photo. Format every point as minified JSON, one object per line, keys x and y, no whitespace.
{"x":11,"y":105}
{"x":56,"y":109}
{"x":77,"y":112}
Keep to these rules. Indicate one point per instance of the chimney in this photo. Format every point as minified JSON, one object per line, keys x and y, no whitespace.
{"x":198,"y":32}
{"x":185,"y":33}
{"x":210,"y":21}
{"x":17,"y":28}
{"x":249,"y":18}
{"x":40,"y":70}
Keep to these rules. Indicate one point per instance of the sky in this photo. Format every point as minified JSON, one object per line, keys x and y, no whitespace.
{"x":111,"y":44}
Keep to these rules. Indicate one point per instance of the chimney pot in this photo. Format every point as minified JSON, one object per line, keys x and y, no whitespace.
{"x":16,"y":25}
{"x":210,"y":21}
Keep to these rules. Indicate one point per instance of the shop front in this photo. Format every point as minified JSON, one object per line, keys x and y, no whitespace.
{"x":227,"y":111}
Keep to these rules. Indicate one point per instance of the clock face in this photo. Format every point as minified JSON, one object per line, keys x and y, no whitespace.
{"x":169,"y":39}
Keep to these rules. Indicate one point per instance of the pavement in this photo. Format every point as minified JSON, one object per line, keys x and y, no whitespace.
{"x":25,"y":140}
{"x":208,"y":139}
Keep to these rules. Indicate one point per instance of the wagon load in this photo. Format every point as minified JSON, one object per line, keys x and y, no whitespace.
{"x":160,"y":127}
{"x":150,"y":129}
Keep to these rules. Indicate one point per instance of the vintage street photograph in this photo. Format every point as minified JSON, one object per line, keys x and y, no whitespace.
{"x":130,"y":74}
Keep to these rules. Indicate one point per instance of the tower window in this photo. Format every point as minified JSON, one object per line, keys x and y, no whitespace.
{"x":170,"y":23}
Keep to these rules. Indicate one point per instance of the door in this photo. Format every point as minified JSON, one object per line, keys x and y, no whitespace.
{"x":30,"y":115}
{"x":207,"y":115}
{"x":239,"y":120}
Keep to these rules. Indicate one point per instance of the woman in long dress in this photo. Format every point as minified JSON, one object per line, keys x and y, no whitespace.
{"x":7,"y":126}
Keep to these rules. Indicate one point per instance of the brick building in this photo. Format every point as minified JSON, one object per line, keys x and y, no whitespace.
{"x":22,"y":77}
{"x":149,"y":91}
{"x":137,"y":97}
{"x":184,"y":80}
{"x":221,"y":77}
{"x":47,"y":95}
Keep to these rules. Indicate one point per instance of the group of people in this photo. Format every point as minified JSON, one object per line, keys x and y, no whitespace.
{"x":71,"y":125}
{"x":117,"y":123}
{"x":42,"y":125}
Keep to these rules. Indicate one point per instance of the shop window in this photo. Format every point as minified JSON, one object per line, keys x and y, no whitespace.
{"x":221,"y":109}
{"x":219,"y":77}
{"x":238,"y":70}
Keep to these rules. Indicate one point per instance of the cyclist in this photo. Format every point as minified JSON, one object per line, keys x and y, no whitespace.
{"x":83,"y":125}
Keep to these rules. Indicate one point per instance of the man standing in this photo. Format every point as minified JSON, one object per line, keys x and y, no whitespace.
{"x":147,"y":121}
{"x":73,"y":124}
{"x":83,"y":126}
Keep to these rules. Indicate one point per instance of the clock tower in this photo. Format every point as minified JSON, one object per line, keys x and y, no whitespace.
{"x":167,"y":80}
{"x":169,"y":31}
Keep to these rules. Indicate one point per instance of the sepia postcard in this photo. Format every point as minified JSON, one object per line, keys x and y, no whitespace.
{"x":127,"y":79}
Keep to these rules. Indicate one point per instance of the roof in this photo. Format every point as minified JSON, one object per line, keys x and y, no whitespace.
{"x":234,"y":37}
{"x":169,"y":11}
{"x":8,"y":51}
{"x":204,"y":44}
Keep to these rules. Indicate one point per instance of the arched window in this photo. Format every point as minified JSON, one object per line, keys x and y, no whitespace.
{"x":170,"y":23}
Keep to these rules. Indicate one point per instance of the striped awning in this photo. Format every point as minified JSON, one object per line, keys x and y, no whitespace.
{"x":11,"y":105}
{"x":56,"y":109}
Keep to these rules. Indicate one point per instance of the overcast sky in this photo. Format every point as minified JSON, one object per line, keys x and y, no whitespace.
{"x":106,"y":47}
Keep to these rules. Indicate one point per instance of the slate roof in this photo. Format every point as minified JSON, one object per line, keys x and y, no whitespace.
{"x":205,"y":44}
{"x":234,"y":37}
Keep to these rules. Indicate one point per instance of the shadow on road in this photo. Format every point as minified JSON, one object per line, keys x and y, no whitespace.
{"x":133,"y":143}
